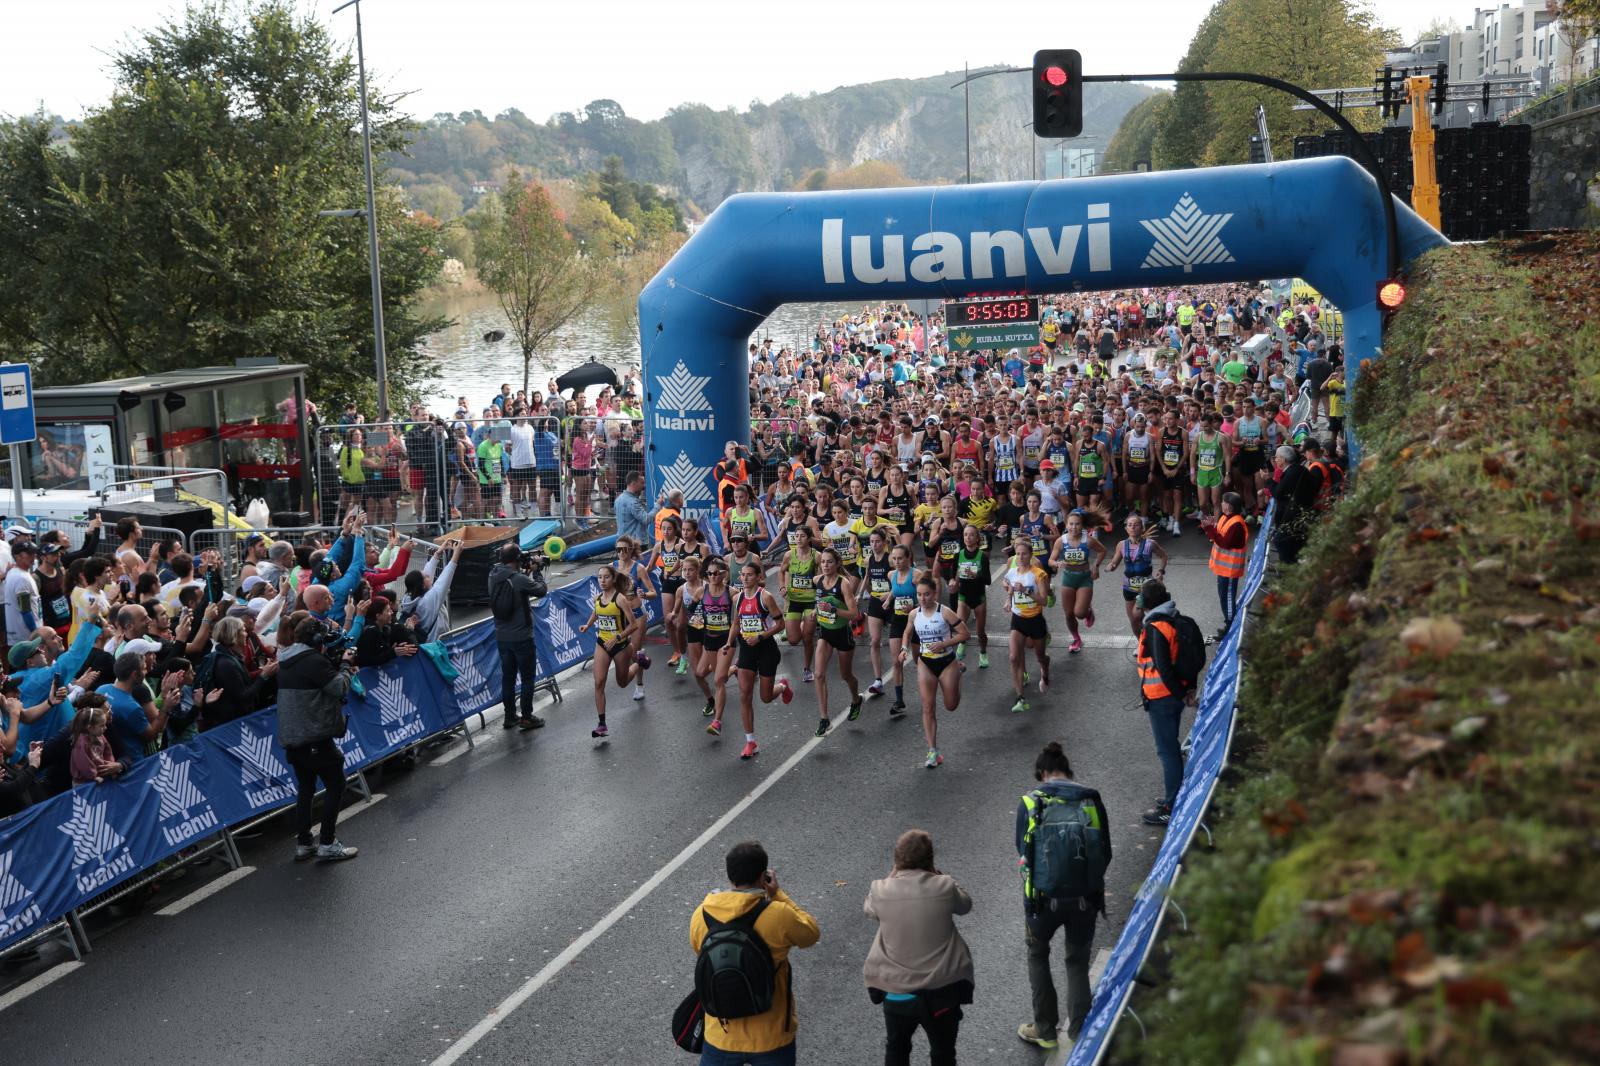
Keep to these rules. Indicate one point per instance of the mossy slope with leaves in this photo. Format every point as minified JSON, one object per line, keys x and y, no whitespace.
{"x":1407,"y":863}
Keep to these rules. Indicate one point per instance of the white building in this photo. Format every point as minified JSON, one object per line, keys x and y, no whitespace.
{"x":1521,"y":38}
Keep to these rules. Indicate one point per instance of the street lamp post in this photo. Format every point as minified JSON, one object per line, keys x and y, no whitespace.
{"x":966,"y":84}
{"x":380,"y":355}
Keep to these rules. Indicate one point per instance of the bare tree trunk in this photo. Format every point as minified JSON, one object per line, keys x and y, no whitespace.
{"x":527,"y":369}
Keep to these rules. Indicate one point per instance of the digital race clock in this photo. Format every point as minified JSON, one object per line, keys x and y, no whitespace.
{"x":1006,"y":311}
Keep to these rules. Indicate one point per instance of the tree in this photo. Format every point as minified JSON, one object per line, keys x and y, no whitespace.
{"x":1187,"y":126}
{"x":181,"y":227}
{"x":615,"y":188}
{"x":1579,"y":22}
{"x":1131,"y":145}
{"x":599,"y":231}
{"x":527,"y":259}
{"x":437,"y":200}
{"x":1316,"y":44}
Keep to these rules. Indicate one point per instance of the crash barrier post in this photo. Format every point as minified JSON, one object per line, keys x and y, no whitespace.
{"x":1210,"y":738}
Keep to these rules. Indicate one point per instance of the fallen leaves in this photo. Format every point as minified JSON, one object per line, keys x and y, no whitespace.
{"x":1438,"y":637}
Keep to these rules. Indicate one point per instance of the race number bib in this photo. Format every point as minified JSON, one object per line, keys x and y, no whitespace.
{"x":880,"y":586}
{"x":967,"y":570}
{"x":827,"y":612}
{"x":1136,"y":581}
{"x":902,"y":604}
{"x":751,"y":625}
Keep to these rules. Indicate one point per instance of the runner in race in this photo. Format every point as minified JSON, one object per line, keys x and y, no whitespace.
{"x":877,"y":565}
{"x":835,"y":611}
{"x":945,"y":534}
{"x":668,"y":555}
{"x":1173,"y":471}
{"x":613,"y":620}
{"x":1140,"y":558}
{"x":1249,"y":465}
{"x":1138,"y":449}
{"x":799,"y":570}
{"x":742,"y":517}
{"x":1091,"y":461}
{"x":899,"y":600}
{"x":895,"y":504}
{"x":642,"y":587}
{"x":716,"y":646}
{"x":970,"y":591}
{"x":841,"y":540}
{"x":797,"y":525}
{"x":1027,"y":585}
{"x":692,"y":617}
{"x":1078,"y":555}
{"x":1210,"y":455}
{"x":739,"y":556}
{"x":931,"y":638}
{"x":759,"y":624}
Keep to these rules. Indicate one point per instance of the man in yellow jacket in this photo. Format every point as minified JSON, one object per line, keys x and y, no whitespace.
{"x":766,"y":1039}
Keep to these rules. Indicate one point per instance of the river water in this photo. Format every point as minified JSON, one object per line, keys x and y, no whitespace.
{"x":470,"y":366}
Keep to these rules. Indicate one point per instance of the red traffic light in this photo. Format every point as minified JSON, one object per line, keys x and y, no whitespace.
{"x":1055,"y":76}
{"x":1391,"y":294}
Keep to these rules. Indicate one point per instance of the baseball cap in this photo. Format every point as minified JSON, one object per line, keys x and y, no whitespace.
{"x":24,"y":546}
{"x":20,"y":652}
{"x":254,"y":581}
{"x":19,"y":529}
{"x":141,"y":646}
{"x":1045,"y":464}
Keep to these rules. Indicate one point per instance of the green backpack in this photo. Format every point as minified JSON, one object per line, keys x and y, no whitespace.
{"x":1067,"y":852}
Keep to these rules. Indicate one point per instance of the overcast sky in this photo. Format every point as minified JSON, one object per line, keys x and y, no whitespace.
{"x":542,"y":56}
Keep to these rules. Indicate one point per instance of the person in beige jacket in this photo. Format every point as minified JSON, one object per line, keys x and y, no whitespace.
{"x":919,"y":968}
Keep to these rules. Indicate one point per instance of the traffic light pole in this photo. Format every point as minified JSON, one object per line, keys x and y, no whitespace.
{"x":1357,"y":141}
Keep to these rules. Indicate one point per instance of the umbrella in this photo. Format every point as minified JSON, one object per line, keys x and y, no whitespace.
{"x":590,"y":373}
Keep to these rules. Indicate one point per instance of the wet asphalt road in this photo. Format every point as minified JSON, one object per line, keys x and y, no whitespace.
{"x":478,"y":868}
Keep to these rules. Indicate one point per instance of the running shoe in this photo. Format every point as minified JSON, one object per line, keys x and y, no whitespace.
{"x":823,"y":725}
{"x":961,"y":652}
{"x":1159,"y":815}
{"x":897,"y":710}
{"x":600,"y":732}
{"x":672,"y":663}
{"x":638,"y":692}
{"x":858,"y":627}
{"x":750,"y":749}
{"x":807,"y":677}
{"x":1030,"y":1033}
{"x":302,"y":852}
{"x":1020,"y":706}
{"x":1044,"y":681}
{"x":983,"y":660}
{"x":785,"y":690}
{"x":709,"y":709}
{"x":336,"y":852}
{"x":876,"y":688}
{"x":683,"y":667}
{"x":1076,"y":645}
{"x":715,"y":728}
{"x":934,"y":759}
{"x":855,"y":708}
{"x":1089,"y":621}
{"x":643,"y":660}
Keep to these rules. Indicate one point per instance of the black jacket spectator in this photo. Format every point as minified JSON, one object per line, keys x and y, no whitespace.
{"x":240,"y":695}
{"x":377,"y":643}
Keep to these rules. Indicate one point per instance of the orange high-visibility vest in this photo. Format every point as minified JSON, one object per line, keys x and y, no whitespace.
{"x":1149,"y":678}
{"x":1229,"y":562}
{"x":661,"y":518}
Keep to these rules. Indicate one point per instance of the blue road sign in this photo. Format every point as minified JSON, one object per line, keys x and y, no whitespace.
{"x":16,"y":404}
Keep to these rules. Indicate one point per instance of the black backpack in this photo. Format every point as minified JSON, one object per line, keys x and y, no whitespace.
{"x":1191,"y":659}
{"x":1067,"y":851}
{"x":734,"y":975}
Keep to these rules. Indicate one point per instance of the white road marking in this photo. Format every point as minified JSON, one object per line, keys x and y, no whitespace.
{"x":211,"y":888}
{"x":44,"y":980}
{"x":578,"y":946}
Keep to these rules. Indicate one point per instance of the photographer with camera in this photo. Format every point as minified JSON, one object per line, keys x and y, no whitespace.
{"x":312,"y":685}
{"x":515,"y":580}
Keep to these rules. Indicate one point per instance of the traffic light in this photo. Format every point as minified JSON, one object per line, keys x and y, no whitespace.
{"x":1057,"y":93}
{"x":1389,"y":105}
{"x":1441,"y":87}
{"x":1258,"y":151}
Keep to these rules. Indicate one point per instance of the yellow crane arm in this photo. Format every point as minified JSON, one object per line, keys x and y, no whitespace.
{"x":1424,"y":175}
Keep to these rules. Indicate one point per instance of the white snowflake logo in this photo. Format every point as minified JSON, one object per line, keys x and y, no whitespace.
{"x":352,"y":751}
{"x":682,"y":391}
{"x":92,"y":838}
{"x":394,"y":705}
{"x":1186,"y":238}
{"x":172,"y":784}
{"x":469,"y":679}
{"x":683,"y":476}
{"x":258,"y":765}
{"x":12,"y":891}
{"x":560,"y":629}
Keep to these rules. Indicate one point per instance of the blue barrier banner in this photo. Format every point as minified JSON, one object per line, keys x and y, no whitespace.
{"x":1208,"y":751}
{"x":475,"y":654}
{"x":61,"y":854}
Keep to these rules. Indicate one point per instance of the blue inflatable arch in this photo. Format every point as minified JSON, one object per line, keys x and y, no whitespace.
{"x":1317,"y":219}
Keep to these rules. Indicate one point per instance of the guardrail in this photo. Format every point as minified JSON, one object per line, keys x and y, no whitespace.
{"x":1210,"y":738}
